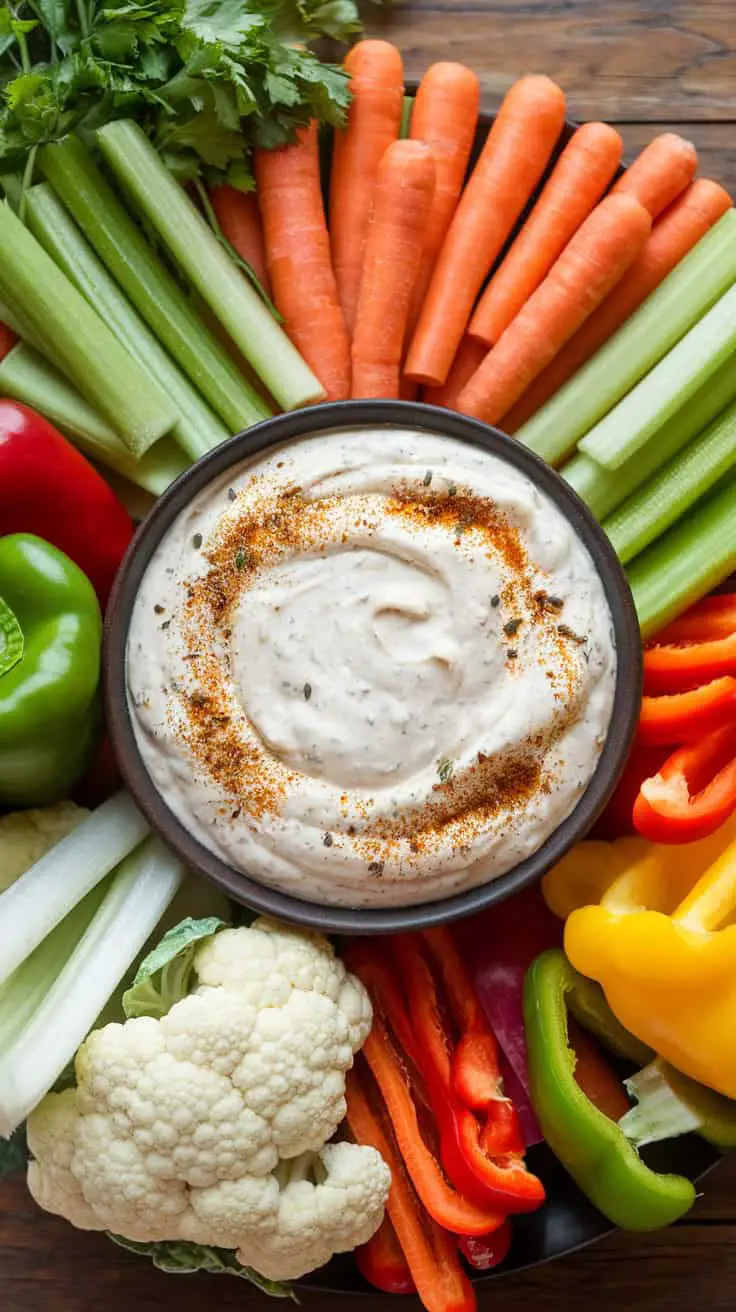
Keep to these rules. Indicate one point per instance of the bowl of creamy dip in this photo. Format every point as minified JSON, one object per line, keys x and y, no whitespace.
{"x":371,"y":665}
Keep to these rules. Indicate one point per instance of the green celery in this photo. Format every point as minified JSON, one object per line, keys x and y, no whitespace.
{"x":693,"y":557}
{"x":688,"y":367}
{"x":666,"y":496}
{"x":27,"y":377}
{"x":406,"y":113}
{"x":136,"y":267}
{"x":681,"y":300}
{"x":142,"y":174}
{"x":197,"y":429}
{"x":603,"y":490}
{"x":66,"y":327}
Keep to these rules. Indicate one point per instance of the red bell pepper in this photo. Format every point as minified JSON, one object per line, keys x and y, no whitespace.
{"x":8,"y":340}
{"x":712,"y":618}
{"x":488,"y":1251}
{"x":693,"y":793}
{"x":681,"y":716}
{"x":382,"y":1263}
{"x":696,"y":649}
{"x":431,"y":1253}
{"x":48,"y":488}
{"x":617,"y":819}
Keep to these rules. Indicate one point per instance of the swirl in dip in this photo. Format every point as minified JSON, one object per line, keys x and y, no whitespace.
{"x":372,"y":667}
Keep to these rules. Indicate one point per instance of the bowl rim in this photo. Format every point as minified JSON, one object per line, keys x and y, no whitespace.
{"x":313,"y":420}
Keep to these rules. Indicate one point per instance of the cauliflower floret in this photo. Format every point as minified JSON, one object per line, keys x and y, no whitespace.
{"x":26,"y":836}
{"x":177,"y":1126}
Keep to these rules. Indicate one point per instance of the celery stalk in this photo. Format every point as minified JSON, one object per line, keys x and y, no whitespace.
{"x":134,"y":265}
{"x":27,"y":377}
{"x":138,"y":895}
{"x":694,"y":556}
{"x":186,"y":235}
{"x":406,"y":113}
{"x":681,"y":300}
{"x":197,"y":429}
{"x":665,"y":497}
{"x":690,"y":365}
{"x":67,"y":328}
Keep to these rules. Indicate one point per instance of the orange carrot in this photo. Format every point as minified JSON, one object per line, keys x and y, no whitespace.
{"x":598,"y":255}
{"x":593,"y":1075}
{"x":374,"y":119}
{"x":299,"y":262}
{"x":663,"y":169}
{"x":393,"y":255}
{"x":8,"y":339}
{"x":512,"y":161}
{"x":678,"y":230}
{"x":470,"y":354}
{"x":579,"y":179}
{"x":240,"y":221}
{"x":445,"y":118}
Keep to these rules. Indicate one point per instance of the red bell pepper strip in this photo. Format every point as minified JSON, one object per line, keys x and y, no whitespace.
{"x":48,"y":488}
{"x":617,"y":819}
{"x":681,"y":716}
{"x":8,"y":339}
{"x":712,"y":618}
{"x":693,"y":793}
{"x":675,"y":668}
{"x":382,"y":1263}
{"x":431,"y":1253}
{"x":488,"y":1251}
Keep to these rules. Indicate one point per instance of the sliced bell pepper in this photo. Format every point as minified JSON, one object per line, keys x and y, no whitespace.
{"x":617,"y":819}
{"x":592,"y":1148}
{"x":713,"y":617}
{"x":487,"y":1251}
{"x":50,"y":633}
{"x":674,"y":718}
{"x":382,"y":1263}
{"x":431,"y":1253}
{"x":48,"y":487}
{"x":587,"y":870}
{"x":693,"y":793}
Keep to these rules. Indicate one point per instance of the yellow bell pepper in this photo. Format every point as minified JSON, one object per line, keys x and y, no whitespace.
{"x":663,"y":948}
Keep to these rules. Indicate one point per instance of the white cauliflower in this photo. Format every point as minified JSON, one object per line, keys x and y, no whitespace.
{"x":26,"y":836}
{"x":209,"y":1125}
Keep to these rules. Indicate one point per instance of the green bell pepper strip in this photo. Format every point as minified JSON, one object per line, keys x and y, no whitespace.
{"x":50,"y":636}
{"x":592,"y":1148}
{"x":586,"y":1002}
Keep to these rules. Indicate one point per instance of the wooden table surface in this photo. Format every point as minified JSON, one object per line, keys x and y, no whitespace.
{"x":646,"y":65}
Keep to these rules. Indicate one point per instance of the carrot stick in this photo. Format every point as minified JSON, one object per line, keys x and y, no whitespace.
{"x":591,"y":264}
{"x":663,"y":169}
{"x":679,"y":229}
{"x":240,"y":222}
{"x":578,"y":181}
{"x":512,"y":161}
{"x":393,"y":256}
{"x":8,"y":339}
{"x":299,"y":261}
{"x":431,"y":1253}
{"x":445,"y":118}
{"x":469,"y":356}
{"x":374,"y":120}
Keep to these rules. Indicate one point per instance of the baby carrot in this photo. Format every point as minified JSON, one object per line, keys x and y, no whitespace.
{"x":663,"y":169}
{"x":239,"y":217}
{"x":469,"y":356}
{"x":578,"y":181}
{"x":512,"y":161}
{"x":679,"y":229}
{"x":591,"y":264}
{"x":393,"y":255}
{"x":299,"y":261}
{"x":374,"y":119}
{"x":445,"y":118}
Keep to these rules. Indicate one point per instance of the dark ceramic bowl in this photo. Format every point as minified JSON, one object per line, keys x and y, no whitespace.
{"x":346,"y":415}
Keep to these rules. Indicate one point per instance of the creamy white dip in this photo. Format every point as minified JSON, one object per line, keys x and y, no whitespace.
{"x":371,"y":667}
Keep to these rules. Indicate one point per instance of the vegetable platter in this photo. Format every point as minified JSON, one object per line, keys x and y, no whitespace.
{"x":204,"y":224}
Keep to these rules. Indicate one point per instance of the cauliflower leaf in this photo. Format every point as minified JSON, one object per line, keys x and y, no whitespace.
{"x":166,"y":975}
{"x":187,"y":1259}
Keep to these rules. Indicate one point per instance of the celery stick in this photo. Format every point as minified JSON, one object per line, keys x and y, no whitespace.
{"x":406,"y":112}
{"x":694,"y":556}
{"x":197,"y":429}
{"x":670,"y":492}
{"x":681,"y":300}
{"x":186,"y":235}
{"x":605,"y":489}
{"x":65,"y":326}
{"x":138,"y":270}
{"x":690,"y":365}
{"x":27,"y":377}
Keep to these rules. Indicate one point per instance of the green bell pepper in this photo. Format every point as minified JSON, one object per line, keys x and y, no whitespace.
{"x":593,"y":1149}
{"x":50,"y":636}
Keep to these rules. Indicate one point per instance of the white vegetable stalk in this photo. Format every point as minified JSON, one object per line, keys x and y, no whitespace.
{"x":137,"y":898}
{"x":38,"y":901}
{"x":659,"y":1112}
